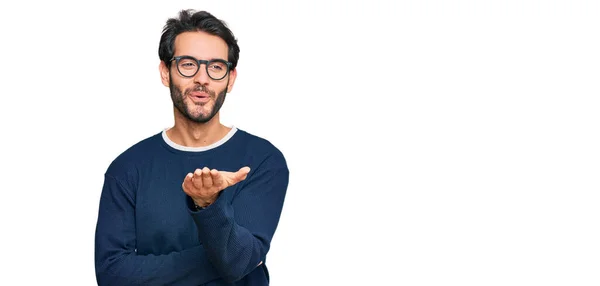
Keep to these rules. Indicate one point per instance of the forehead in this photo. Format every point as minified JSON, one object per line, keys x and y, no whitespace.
{"x":200,"y":45}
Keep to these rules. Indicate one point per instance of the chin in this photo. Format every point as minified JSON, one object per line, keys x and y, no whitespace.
{"x":201,"y":118}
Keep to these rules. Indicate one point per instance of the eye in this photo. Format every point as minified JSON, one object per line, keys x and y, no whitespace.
{"x":217,"y":66}
{"x":188,"y":64}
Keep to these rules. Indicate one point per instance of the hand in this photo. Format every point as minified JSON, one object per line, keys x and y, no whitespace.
{"x":204,"y":186}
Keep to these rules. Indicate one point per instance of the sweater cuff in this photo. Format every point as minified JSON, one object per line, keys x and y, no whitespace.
{"x":216,"y":216}
{"x":216,"y":208}
{"x":192,"y":205}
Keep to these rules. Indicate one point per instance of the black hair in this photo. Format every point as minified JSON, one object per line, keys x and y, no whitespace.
{"x":190,"y":21}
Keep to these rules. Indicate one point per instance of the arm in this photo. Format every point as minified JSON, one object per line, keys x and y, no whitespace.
{"x":117,"y":262}
{"x":237,"y":236}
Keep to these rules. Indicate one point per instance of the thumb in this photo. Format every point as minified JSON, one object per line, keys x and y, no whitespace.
{"x":232,"y":178}
{"x":242,"y":173}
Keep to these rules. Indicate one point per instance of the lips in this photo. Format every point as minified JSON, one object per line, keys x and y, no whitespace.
{"x":199,"y":97}
{"x":199,"y":94}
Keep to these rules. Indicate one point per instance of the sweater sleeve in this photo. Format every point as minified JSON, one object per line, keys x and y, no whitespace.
{"x":237,"y":234}
{"x":116,"y":259}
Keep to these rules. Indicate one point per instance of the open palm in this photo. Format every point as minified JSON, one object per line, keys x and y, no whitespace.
{"x":204,"y":185}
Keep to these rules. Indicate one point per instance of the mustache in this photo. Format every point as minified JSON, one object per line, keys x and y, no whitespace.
{"x":200,"y":88}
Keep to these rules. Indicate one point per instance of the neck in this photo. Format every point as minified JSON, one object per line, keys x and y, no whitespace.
{"x":192,"y":134}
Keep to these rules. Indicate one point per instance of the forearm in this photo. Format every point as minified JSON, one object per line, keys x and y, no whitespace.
{"x":116,"y":259}
{"x":188,"y":267}
{"x":233,"y":250}
{"x":236,"y":233}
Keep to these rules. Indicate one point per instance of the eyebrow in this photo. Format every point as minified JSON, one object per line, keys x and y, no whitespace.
{"x":185,"y":55}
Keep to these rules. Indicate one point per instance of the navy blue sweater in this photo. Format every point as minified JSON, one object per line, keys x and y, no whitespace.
{"x":148,"y":232}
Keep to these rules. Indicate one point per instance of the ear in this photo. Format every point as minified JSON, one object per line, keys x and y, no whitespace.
{"x":232,"y":76}
{"x":164,"y":73}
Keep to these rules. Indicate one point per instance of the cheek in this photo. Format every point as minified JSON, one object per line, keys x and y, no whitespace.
{"x":223,"y":87}
{"x":182,"y":87}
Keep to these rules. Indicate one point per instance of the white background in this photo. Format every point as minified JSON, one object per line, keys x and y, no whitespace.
{"x":429,"y":142}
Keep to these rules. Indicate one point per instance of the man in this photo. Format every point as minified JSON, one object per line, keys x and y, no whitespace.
{"x":197,"y":203}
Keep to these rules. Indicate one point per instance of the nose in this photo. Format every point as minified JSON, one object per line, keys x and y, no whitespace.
{"x":201,"y":76}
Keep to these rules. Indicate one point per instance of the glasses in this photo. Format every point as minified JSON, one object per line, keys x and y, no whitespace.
{"x":188,"y":66}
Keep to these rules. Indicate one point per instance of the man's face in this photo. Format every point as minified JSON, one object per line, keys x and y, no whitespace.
{"x":198,"y":98}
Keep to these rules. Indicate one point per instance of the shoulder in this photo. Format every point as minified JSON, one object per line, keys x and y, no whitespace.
{"x":128,"y":160}
{"x":261,"y":148}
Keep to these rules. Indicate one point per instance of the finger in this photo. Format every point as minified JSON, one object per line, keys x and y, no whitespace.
{"x":197,"y":179}
{"x":187,"y":183}
{"x":206,"y":178}
{"x":217,"y":178}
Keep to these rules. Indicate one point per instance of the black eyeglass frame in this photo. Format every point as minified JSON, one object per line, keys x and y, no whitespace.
{"x":200,"y":62}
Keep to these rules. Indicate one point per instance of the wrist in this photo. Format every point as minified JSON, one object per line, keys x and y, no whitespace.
{"x":201,"y":204}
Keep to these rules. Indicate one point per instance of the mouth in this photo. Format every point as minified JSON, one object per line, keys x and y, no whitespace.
{"x":200,"y":97}
{"x":199,"y":94}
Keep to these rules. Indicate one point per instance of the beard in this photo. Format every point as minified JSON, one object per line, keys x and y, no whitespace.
{"x":187,"y":110}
